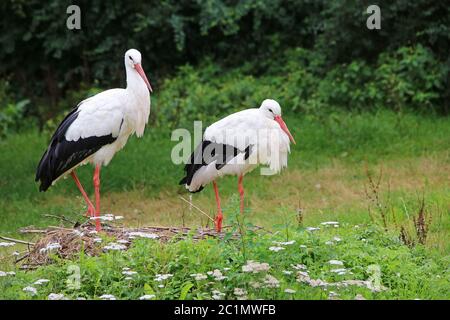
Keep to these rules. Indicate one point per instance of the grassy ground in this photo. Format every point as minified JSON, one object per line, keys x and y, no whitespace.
{"x":326,"y":180}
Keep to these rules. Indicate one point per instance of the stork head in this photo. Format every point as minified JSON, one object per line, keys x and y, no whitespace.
{"x":272,"y":110}
{"x":133,"y":60}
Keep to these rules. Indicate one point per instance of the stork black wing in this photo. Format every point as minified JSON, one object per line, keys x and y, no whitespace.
{"x":207,"y":152}
{"x":62,"y":155}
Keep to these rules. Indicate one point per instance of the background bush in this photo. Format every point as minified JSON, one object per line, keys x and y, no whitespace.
{"x":312,"y":54}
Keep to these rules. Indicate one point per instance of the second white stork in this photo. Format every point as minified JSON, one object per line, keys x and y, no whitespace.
{"x":96,"y":129}
{"x":235,"y":145}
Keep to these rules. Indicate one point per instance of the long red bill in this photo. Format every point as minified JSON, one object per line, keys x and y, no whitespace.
{"x":141,"y":72}
{"x":284,"y":128}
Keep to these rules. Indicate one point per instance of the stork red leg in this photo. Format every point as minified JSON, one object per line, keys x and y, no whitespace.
{"x":91,"y":210}
{"x":97,"y":197}
{"x":219,"y":216}
{"x":241,"y":191}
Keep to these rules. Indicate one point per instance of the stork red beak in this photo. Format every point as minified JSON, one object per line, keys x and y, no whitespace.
{"x":284,"y":128}
{"x":141,"y":72}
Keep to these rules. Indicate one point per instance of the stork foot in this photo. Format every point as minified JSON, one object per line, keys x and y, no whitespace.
{"x":218,"y":222}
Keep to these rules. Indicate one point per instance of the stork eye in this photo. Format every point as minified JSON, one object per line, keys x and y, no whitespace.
{"x":130,"y":58}
{"x":271,"y":110}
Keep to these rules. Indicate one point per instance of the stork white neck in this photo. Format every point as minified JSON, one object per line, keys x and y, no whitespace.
{"x":135,"y":82}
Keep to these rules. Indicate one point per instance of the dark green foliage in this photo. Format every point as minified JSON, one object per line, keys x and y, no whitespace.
{"x":44,"y":60}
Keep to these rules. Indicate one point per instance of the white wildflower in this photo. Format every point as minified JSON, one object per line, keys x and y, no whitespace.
{"x":239,"y":292}
{"x":16,"y":253}
{"x":359,"y":297}
{"x":31,"y":290}
{"x":312,"y":229}
{"x":161,"y":286}
{"x":41,"y":281}
{"x":147,"y":297}
{"x":114,"y":246}
{"x":128,"y":278}
{"x":199,"y":276}
{"x":276,"y":249}
{"x":162,"y":277}
{"x":287,"y":272}
{"x":339,"y":271}
{"x":255,"y":266}
{"x":286,"y":243}
{"x":271,"y":281}
{"x":291,"y":291}
{"x":123,"y":241}
{"x":98,"y":240}
{"x":298,"y":266}
{"x":7,"y":244}
{"x":118,"y":217}
{"x":7,"y":273}
{"x":303,"y":246}
{"x":216,"y":274}
{"x":336,"y":262}
{"x":330,"y":223}
{"x":255,"y":285}
{"x":55,"y":296}
{"x":337,"y":239}
{"x":217,"y":295}
{"x":329,"y":243}
{"x":128,"y":273}
{"x":107,"y":297}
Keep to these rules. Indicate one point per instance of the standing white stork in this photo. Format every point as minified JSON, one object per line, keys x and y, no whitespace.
{"x":96,"y":129}
{"x":235,"y":145}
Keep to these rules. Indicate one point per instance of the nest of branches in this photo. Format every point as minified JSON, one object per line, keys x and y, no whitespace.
{"x":66,"y":243}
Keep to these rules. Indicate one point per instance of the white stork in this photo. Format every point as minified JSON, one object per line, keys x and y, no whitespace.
{"x":235,"y":145}
{"x":96,"y":129}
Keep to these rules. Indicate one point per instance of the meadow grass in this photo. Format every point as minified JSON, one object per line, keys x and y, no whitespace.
{"x":326,"y":180}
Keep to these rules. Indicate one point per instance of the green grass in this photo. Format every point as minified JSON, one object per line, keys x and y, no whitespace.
{"x":325,"y":178}
{"x":404,"y":273}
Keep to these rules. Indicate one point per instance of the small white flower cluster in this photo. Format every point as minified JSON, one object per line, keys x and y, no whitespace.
{"x":56,"y":296}
{"x":298,"y":266}
{"x":276,"y":249}
{"x":333,"y":241}
{"x":147,"y":297}
{"x":162,"y":277}
{"x":312,"y":229}
{"x":139,"y":234}
{"x":271,"y":281}
{"x":107,"y":297}
{"x":240,"y":293}
{"x":217,"y":275}
{"x":41,"y":281}
{"x":123,"y":241}
{"x":199,"y":276}
{"x":7,"y":273}
{"x":128,"y":272}
{"x":331,"y":223}
{"x":290,"y":291}
{"x":303,"y":276}
{"x":286,"y":243}
{"x":115,"y":246}
{"x":31,"y":290}
{"x":50,"y":247}
{"x":98,"y":240}
{"x":217,"y":295}
{"x":333,"y":296}
{"x":255,"y":266}
{"x":7,"y":244}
